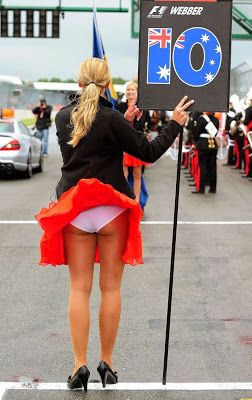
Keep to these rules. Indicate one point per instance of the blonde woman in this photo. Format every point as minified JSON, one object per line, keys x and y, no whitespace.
{"x":139,"y":124}
{"x":97,"y":218}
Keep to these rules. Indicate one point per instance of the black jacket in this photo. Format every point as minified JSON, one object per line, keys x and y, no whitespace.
{"x":43,"y":117}
{"x":100,"y":153}
{"x":248,"y":116}
{"x":202,"y":143}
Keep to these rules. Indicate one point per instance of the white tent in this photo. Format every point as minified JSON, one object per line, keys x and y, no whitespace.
{"x":11,"y":79}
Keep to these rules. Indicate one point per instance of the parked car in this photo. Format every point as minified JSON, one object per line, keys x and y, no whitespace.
{"x":20,"y":149}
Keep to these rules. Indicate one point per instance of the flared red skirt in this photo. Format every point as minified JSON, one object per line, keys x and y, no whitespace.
{"x":88,"y":193}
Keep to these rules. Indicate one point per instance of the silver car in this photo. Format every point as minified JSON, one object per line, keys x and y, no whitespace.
{"x":20,"y":149}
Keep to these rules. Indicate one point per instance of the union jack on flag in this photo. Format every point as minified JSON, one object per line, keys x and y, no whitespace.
{"x":161,"y":36}
{"x":179,"y":42}
{"x":159,"y":55}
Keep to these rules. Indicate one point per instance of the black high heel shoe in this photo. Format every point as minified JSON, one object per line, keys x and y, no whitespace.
{"x":79,"y":379}
{"x":106,"y":374}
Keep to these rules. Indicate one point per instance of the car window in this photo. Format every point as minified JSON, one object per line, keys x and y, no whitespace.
{"x":24,"y":129}
{"x":6,"y":127}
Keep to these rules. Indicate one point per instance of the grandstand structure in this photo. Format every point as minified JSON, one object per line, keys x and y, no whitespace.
{"x":16,"y":94}
{"x":242,"y":17}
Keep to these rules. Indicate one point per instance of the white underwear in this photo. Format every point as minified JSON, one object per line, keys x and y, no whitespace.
{"x":94,"y":219}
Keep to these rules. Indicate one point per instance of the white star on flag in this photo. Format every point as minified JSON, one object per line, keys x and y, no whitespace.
{"x":212,"y":62}
{"x":164,"y":72}
{"x":209,"y":77}
{"x":204,"y":38}
{"x":218,"y":49}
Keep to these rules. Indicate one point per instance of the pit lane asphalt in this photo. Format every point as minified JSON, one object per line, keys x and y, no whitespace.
{"x":211,"y":331}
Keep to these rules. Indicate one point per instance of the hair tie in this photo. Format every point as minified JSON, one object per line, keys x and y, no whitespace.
{"x":92,"y":82}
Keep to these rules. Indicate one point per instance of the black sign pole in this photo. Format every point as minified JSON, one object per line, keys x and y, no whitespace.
{"x":173,"y":252}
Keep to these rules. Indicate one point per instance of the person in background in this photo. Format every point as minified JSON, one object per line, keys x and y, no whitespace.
{"x":230,"y":117}
{"x":155,"y":121}
{"x":248,"y":123}
{"x":237,"y":130}
{"x":140,"y":125}
{"x":248,"y":112}
{"x":43,"y":112}
{"x":207,"y":149}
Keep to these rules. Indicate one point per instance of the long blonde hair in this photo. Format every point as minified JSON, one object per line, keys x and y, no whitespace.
{"x":93,"y":76}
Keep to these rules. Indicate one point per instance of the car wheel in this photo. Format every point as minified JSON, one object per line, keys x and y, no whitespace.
{"x":28,"y":172}
{"x":41,"y":164}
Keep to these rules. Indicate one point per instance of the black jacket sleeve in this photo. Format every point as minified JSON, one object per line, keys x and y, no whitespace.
{"x":248,"y":116}
{"x":48,"y":111}
{"x":140,"y":125}
{"x":36,"y":110}
{"x":136,"y":144}
{"x":63,"y":132}
{"x":200,"y":127}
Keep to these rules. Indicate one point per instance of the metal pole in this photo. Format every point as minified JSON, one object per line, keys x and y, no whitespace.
{"x":175,"y":221}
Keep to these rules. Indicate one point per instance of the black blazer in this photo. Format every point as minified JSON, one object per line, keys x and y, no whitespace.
{"x":202,"y":143}
{"x":100,"y":153}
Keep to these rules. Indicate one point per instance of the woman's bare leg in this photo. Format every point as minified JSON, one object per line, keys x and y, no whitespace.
{"x":80,"y":249}
{"x":137,"y":174}
{"x":111,"y":240}
{"x":126,"y":171}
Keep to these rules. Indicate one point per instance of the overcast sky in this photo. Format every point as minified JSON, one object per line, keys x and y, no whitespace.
{"x":31,"y":59}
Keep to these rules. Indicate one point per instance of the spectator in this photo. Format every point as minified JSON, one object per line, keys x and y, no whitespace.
{"x":43,"y":123}
{"x":207,"y":149}
{"x":139,"y":124}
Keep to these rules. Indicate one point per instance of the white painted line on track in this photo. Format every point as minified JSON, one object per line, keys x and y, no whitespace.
{"x":198,"y":386}
{"x":2,"y":391}
{"x":152,"y":222}
{"x":17,"y":222}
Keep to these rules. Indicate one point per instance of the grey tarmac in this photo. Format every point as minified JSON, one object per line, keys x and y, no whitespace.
{"x":211,"y":329}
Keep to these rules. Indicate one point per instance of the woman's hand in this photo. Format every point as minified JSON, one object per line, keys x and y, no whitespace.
{"x":179,"y":114}
{"x":132,"y":113}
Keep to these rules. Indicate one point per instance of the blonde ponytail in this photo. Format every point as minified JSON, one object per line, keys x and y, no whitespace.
{"x":93,"y":77}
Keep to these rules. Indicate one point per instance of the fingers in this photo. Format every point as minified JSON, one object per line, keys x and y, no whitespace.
{"x":182,"y":101}
{"x":182,"y":106}
{"x":186,"y":105}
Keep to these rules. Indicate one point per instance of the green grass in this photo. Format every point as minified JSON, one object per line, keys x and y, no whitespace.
{"x":32,"y":121}
{"x":29,"y":121}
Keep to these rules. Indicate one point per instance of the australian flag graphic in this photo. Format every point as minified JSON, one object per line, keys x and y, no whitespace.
{"x":159,"y":55}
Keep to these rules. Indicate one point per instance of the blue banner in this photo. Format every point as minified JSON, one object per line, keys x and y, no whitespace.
{"x":98,"y":52}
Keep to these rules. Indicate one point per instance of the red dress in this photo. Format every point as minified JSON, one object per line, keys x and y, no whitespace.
{"x":131,"y":161}
{"x":88,"y":193}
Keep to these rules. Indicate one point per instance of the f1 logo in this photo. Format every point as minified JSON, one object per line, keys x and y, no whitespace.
{"x":157,"y":12}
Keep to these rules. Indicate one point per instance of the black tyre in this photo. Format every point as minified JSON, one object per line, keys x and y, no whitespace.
{"x":28,"y":172}
{"x":41,"y":163}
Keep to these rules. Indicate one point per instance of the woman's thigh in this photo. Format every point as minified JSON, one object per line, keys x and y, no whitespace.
{"x":112,"y":239}
{"x":80,"y":248}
